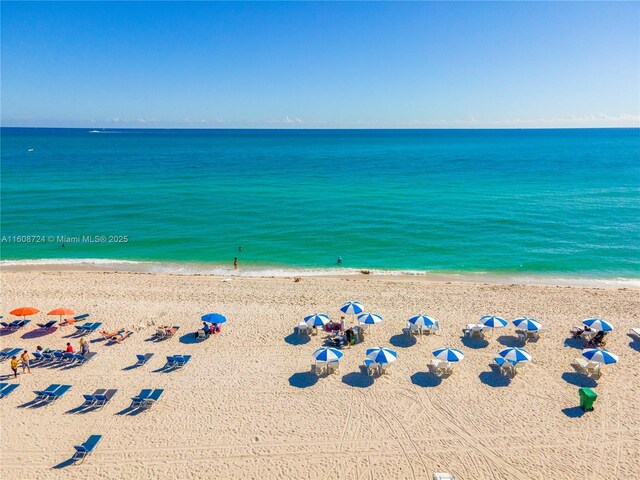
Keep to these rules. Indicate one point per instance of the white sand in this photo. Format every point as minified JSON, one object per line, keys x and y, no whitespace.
{"x":238,"y":409}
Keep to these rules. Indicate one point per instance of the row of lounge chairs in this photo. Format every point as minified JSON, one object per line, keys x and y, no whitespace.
{"x":51,"y":393}
{"x":507,"y":367}
{"x":65,"y":357}
{"x":6,"y":353}
{"x":98,"y":399}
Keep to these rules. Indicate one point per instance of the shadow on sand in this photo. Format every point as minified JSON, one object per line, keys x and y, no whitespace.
{"x":426,"y":379}
{"x":403,"y":341}
{"x":303,"y":379}
{"x":495,"y":379}
{"x":297,"y":339}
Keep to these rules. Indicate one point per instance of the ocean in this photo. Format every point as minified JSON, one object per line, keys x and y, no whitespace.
{"x":538,"y":203}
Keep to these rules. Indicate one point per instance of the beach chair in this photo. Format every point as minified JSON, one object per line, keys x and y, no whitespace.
{"x":171,"y":361}
{"x":303,"y":329}
{"x":370,"y":366}
{"x":103,"y":398}
{"x":437,"y":366}
{"x":4,"y":352}
{"x":57,"y":393}
{"x":143,"y":359}
{"x":384,"y":368}
{"x":319,"y":367}
{"x":504,"y":366}
{"x":172,"y":331}
{"x":12,"y":325}
{"x":181,"y":360}
{"x":82,"y":359}
{"x":92,"y":327}
{"x":140,"y":398}
{"x":37,"y":357}
{"x":7,"y":388}
{"x":152,"y":399}
{"x":42,"y":394}
{"x":71,"y":321}
{"x":587,"y":367}
{"x":442,"y":476}
{"x":48,"y":325}
{"x":201,"y":334}
{"x":49,"y":356}
{"x":86,"y":449}
{"x":11,"y":353}
{"x":333,"y":367}
{"x":635,"y":332}
{"x":69,"y":357}
{"x":90,"y":398}
{"x":20,"y":324}
{"x":517,"y":367}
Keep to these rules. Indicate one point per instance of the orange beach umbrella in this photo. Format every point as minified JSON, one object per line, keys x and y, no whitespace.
{"x":61,"y":311}
{"x":24,"y":311}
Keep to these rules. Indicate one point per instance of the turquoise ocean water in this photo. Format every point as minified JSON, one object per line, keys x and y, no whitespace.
{"x":513,"y":202}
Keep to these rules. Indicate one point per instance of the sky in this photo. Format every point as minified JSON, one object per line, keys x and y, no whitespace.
{"x":320,"y":65}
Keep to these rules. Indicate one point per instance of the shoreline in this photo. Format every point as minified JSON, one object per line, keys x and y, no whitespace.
{"x":263,"y":271}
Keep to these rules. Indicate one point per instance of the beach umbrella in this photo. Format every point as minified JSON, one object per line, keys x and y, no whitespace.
{"x":598,"y":324}
{"x":316,"y":320}
{"x":213,"y":318}
{"x":24,"y":311}
{"x":352,"y":308}
{"x":62,"y":312}
{"x":327,"y":354}
{"x":448,"y":354}
{"x":381,"y":355}
{"x":369,"y":318}
{"x":422,"y":321}
{"x":599,"y":356}
{"x":529,"y":324}
{"x":515,"y":355}
{"x":493,"y":322}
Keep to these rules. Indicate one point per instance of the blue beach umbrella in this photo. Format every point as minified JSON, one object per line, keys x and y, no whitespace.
{"x":422,"y":321}
{"x":316,"y":320}
{"x":515,"y":355}
{"x":381,"y":355}
{"x":493,"y":322}
{"x":352,"y":308}
{"x":528,"y":324}
{"x":448,"y":354}
{"x":599,"y":356}
{"x":598,"y":324}
{"x":214,"y":318}
{"x":369,"y":318}
{"x":327,"y":354}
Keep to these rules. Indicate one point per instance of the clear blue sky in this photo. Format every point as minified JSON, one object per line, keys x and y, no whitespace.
{"x":310,"y":65}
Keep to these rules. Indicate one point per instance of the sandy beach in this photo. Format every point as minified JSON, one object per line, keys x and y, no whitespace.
{"x":247,"y":407}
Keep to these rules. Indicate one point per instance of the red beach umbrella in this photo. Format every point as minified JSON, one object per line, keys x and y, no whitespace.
{"x":24,"y":311}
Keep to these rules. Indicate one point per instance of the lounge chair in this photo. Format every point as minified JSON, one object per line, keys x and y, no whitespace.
{"x":504,"y":365}
{"x":21,"y":324}
{"x":103,"y":398}
{"x":5,"y":351}
{"x":59,"y":356}
{"x":319,"y":367}
{"x":84,"y":358}
{"x":587,"y":367}
{"x":42,"y":394}
{"x":152,"y":398}
{"x":7,"y":388}
{"x":71,"y":321}
{"x":90,"y":399}
{"x":86,"y":449}
{"x":69,"y":357}
{"x":635,"y":332}
{"x":12,"y":325}
{"x":171,"y":361}
{"x":143,"y":359}
{"x":10,"y":353}
{"x":201,"y":334}
{"x":89,"y":328}
{"x":140,"y":398}
{"x":370,"y":366}
{"x":48,"y":325}
{"x":442,"y":476}
{"x":57,"y":393}
{"x":385,"y":368}
{"x":437,"y":366}
{"x":38,"y":357}
{"x":181,"y":360}
{"x":517,"y":367}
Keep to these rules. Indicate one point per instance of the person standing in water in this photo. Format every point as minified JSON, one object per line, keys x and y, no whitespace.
{"x":235,"y":263}
{"x":240,"y":248}
{"x":339,"y":260}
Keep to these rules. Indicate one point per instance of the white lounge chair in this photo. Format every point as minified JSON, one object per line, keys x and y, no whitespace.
{"x":333,"y":367}
{"x":303,"y":328}
{"x":442,"y":476}
{"x":590,"y":368}
{"x":371,"y":366}
{"x":319,"y":367}
{"x":385,"y":368}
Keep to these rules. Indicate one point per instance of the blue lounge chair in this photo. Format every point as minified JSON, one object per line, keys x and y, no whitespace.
{"x":86,"y":449}
{"x":7,"y":388}
{"x":139,"y":399}
{"x":48,"y":325}
{"x":103,"y":398}
{"x":49,"y":356}
{"x":21,"y":324}
{"x":171,"y":361}
{"x":4,"y":351}
{"x":153,"y":398}
{"x":37,"y":356}
{"x":57,"y":393}
{"x":69,"y":357}
{"x":181,"y":360}
{"x":42,"y":394}
{"x":11,"y":353}
{"x":11,"y":325}
{"x":143,"y":359}
{"x":91,"y":399}
{"x":84,"y":358}
{"x":92,"y":327}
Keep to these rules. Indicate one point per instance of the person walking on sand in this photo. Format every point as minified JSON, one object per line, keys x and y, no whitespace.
{"x":24,"y":358}
{"x":14,"y":366}
{"x":235,"y":263}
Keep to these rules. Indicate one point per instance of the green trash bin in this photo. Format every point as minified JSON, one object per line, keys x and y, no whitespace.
{"x":587,"y":398}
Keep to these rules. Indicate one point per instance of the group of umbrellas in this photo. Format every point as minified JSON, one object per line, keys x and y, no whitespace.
{"x":24,"y":312}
